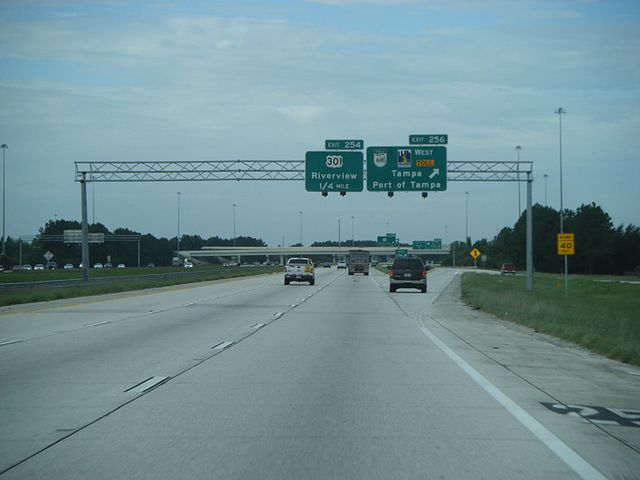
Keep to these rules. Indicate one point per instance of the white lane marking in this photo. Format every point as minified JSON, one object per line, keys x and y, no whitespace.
{"x":148,"y":384}
{"x":9,"y":342}
{"x":189,"y":304}
{"x":278,"y":314}
{"x":257,"y":326}
{"x":222,"y":346}
{"x":579,"y":465}
{"x":633,"y":373}
{"x":97,"y":324}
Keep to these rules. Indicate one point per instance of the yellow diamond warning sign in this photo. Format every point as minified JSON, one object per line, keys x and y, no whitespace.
{"x":475,"y":253}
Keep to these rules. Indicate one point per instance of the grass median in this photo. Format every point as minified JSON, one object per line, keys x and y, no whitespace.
{"x":43,"y":293}
{"x":600,"y":313}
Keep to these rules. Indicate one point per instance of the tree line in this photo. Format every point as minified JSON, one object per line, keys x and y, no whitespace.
{"x":601,"y":248}
{"x":158,"y":251}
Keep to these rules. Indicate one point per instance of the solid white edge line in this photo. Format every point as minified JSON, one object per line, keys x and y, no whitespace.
{"x":258,"y":325}
{"x":9,"y":342}
{"x":584,"y":469}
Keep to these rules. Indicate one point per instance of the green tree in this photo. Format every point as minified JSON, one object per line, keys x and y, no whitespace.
{"x":626,"y":247}
{"x":594,"y":236}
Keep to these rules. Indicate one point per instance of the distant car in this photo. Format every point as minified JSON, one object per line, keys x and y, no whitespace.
{"x":187,"y":264}
{"x":26,"y":266}
{"x":68,"y":266}
{"x":225,"y":264}
{"x":508,"y":268}
{"x":108,"y":265}
{"x":51,"y":265}
{"x":38,"y":266}
{"x":98,"y":266}
{"x":151,"y":265}
{"x":326,"y":265}
{"x":121,"y":265}
{"x":342,"y":264}
{"x":408,"y":273}
{"x":16,"y":268}
{"x":1,"y":268}
{"x":299,"y":270}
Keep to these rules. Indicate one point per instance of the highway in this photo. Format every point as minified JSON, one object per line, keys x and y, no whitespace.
{"x":251,"y":379}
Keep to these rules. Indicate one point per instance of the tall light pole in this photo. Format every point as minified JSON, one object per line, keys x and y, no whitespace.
{"x":518,"y":148}
{"x":559,"y":111}
{"x":300,"y":212}
{"x":545,"y":188}
{"x":339,"y":240}
{"x":466,"y":228}
{"x":4,"y":146}
{"x":234,"y":225}
{"x":179,"y":193}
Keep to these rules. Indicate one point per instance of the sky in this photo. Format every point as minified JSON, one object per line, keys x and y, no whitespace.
{"x":270,"y":80}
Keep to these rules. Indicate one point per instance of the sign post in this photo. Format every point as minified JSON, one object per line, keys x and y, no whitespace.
{"x":475,"y":253}
{"x":566,"y":246}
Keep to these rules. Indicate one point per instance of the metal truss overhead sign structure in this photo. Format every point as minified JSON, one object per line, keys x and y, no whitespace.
{"x":476,"y":171}
{"x":86,"y":172}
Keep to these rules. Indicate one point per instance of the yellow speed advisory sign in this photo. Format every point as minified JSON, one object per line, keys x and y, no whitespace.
{"x":475,"y":253}
{"x":566,"y":244}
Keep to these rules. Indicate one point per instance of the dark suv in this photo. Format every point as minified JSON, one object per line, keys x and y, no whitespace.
{"x":408,"y":273}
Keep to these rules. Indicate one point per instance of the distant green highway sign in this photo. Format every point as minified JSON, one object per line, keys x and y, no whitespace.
{"x":334,"y":171}
{"x":409,"y":169}
{"x":344,"y":144}
{"x":435,"y":244}
{"x":386,"y":240}
{"x":428,"y":139}
{"x":402,"y":253}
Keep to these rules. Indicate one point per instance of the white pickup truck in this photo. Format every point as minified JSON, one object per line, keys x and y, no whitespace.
{"x":299,"y":270}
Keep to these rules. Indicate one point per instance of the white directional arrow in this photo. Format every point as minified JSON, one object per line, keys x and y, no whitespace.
{"x":436,"y":171}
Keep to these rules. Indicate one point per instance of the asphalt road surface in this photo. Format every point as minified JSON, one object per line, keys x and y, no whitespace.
{"x":251,"y":379}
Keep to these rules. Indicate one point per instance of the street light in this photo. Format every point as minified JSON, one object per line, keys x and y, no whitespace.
{"x":234,"y":225}
{"x":179,"y":193}
{"x":4,"y":146}
{"x":545,"y":188}
{"x":559,"y":111}
{"x":518,"y":148}
{"x":466,"y":228}
{"x":300,"y":212}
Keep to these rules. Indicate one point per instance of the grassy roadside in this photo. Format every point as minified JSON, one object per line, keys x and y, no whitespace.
{"x":47,"y":293}
{"x":599,"y":314}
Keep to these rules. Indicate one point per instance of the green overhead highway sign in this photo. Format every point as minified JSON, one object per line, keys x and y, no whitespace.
{"x":428,"y":139}
{"x":402,"y":253}
{"x":419,"y":245}
{"x":333,"y":171}
{"x":344,"y":144}
{"x":386,"y":240}
{"x":406,"y":169}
